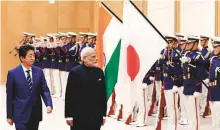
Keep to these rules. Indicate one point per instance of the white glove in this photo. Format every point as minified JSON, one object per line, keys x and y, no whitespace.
{"x":151,"y":78}
{"x":188,"y":60}
{"x":144,"y":86}
{"x":196,"y":94}
{"x":175,"y":89}
{"x":206,"y":81}
{"x":182,"y":59}
{"x":185,"y":59}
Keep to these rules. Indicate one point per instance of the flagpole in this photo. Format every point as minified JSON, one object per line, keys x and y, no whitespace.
{"x":110,"y":11}
{"x":148,"y":20}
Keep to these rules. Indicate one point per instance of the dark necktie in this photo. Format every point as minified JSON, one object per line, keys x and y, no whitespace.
{"x":29,"y":81}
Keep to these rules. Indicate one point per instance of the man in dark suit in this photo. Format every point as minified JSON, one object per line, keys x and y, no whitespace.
{"x":85,"y":102}
{"x":25,"y":86}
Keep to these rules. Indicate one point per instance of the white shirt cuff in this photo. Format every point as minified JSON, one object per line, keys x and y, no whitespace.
{"x":69,"y":118}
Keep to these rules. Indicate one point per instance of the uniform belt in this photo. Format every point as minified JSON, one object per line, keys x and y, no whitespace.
{"x":211,"y":84}
{"x":60,"y":61}
{"x":44,"y":58}
{"x":37,"y":60}
{"x":67,"y":60}
{"x":186,"y":77}
{"x":167,"y":75}
{"x":157,"y":68}
{"x":53,"y":59}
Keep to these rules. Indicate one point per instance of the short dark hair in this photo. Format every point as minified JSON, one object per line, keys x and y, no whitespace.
{"x":24,"y":49}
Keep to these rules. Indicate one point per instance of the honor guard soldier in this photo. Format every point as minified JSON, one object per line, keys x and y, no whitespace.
{"x":158,"y":82}
{"x":206,"y":55}
{"x":73,"y":51}
{"x":169,"y":84}
{"x":70,"y":58}
{"x":94,"y":41}
{"x":192,"y":81}
{"x":37,"y":53}
{"x":63,"y":37}
{"x":50,"y":59}
{"x":83,"y":43}
{"x":144,"y":98}
{"x":46,"y":61}
{"x":27,"y":39}
{"x":214,"y":85}
{"x":183,"y":118}
{"x":91,"y":37}
{"x":31,"y":36}
{"x":83,"y":40}
{"x":55,"y":73}
{"x":62,"y":64}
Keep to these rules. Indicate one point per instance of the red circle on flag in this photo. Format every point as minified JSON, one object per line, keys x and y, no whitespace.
{"x":133,"y":62}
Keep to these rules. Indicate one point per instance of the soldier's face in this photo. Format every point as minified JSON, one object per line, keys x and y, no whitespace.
{"x":51,"y":39}
{"x":63,"y":39}
{"x":90,"y":40}
{"x":28,"y":39}
{"x":86,"y":39}
{"x":203,"y":42}
{"x":90,"y":60}
{"x":183,"y":46}
{"x":94,"y":40}
{"x":216,"y":50}
{"x":174,"y":44}
{"x":29,"y":58}
{"x":189,"y":46}
{"x":73,"y":39}
{"x":68,"y":39}
{"x":57,"y":39}
{"x":82,"y":39}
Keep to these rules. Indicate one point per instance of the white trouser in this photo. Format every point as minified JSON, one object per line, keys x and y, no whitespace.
{"x":172,"y":108}
{"x":182,"y":107}
{"x":47,"y":75}
{"x":135,"y":112}
{"x":63,"y":77}
{"x":144,"y":102}
{"x":192,"y":112}
{"x":203,"y":99}
{"x":56,"y":82}
{"x":158,"y":85}
{"x":215,"y":108}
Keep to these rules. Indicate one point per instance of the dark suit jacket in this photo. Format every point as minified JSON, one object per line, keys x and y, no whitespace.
{"x":21,"y":102}
{"x":85,"y":94}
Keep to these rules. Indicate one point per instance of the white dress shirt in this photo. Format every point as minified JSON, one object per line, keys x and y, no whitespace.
{"x":25,"y":69}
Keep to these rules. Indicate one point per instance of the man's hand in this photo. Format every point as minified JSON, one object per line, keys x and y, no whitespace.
{"x":175,"y":89}
{"x":151,"y":78}
{"x":196,"y":94}
{"x":49,"y":109}
{"x":69,"y":122}
{"x":104,"y":120}
{"x":10,"y":121}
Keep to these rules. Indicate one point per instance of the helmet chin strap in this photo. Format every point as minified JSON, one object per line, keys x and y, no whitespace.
{"x":218,"y":53}
{"x":184,"y":47}
{"x":192,"y":46}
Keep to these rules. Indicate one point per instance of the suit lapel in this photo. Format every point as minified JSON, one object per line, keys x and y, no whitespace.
{"x":23,"y":77}
{"x":34,"y":75}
